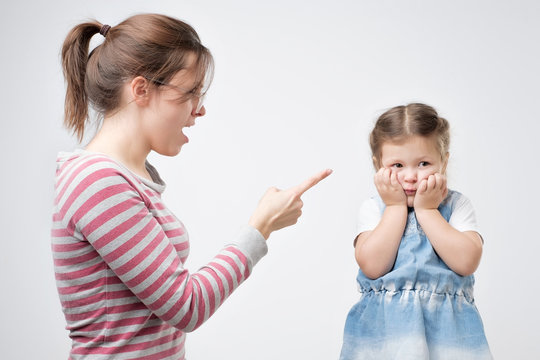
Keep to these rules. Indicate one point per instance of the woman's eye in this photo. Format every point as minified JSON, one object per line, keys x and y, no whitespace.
{"x":196,"y":91}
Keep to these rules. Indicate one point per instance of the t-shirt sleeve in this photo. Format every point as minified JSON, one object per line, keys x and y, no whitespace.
{"x":369,"y":216}
{"x":463,"y":217}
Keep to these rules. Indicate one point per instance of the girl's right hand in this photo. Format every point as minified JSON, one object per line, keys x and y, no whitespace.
{"x":281,"y":208}
{"x":389,"y":187}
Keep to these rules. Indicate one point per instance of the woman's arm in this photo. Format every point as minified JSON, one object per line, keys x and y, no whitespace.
{"x":120,"y":228}
{"x":102,"y":206}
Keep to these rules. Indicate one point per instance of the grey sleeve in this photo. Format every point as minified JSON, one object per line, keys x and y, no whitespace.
{"x":251,"y":243}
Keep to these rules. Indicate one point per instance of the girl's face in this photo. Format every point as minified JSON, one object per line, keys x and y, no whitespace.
{"x":170,"y":114}
{"x":413,"y":160}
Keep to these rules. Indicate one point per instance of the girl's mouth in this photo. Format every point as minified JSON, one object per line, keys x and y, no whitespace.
{"x":410,"y":192}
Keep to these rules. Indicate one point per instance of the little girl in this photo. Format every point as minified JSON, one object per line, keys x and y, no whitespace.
{"x":417,"y":247}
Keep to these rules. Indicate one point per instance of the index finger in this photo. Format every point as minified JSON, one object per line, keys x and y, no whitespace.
{"x":309,"y":183}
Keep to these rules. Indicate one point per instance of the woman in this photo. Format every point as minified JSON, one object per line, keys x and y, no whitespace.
{"x":118,"y":251}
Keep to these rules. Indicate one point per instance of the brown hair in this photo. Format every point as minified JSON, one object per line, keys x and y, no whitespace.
{"x":403,"y":121}
{"x":149,"y":45}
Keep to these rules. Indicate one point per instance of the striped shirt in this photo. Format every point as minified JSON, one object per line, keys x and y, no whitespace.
{"x":119,"y":257}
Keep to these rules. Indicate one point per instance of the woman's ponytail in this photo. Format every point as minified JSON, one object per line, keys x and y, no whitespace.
{"x":74,"y":61}
{"x":150,"y":45}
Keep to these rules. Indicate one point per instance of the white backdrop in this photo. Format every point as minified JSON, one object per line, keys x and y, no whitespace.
{"x":297,"y":88}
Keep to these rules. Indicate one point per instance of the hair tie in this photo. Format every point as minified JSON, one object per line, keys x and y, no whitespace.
{"x":104,"y":30}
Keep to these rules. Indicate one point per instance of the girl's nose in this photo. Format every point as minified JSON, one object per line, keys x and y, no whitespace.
{"x":409,"y":175}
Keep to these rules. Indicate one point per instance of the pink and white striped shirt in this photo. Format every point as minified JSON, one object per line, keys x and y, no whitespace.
{"x":119,"y":258}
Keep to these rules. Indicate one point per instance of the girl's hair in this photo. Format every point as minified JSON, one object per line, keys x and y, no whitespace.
{"x":149,"y":45}
{"x":403,"y":121}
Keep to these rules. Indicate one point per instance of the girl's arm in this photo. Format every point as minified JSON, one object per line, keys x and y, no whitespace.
{"x":376,"y":250}
{"x":461,"y":251}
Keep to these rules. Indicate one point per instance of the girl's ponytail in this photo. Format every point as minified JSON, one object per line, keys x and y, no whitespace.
{"x":74,"y":60}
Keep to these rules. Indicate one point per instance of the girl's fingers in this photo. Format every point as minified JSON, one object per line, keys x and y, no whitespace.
{"x":378,"y":176}
{"x":437,"y":181}
{"x":382,"y":177}
{"x":440,"y":182}
{"x":394,"y":180}
{"x":423,"y":186}
{"x":443,"y":182}
{"x":431,"y":181}
{"x":388,"y":173}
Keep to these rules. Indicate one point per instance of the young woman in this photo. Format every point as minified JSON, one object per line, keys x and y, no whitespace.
{"x":119,"y":253}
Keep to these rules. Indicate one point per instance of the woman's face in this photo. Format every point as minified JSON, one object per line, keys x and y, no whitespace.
{"x":170,"y":113}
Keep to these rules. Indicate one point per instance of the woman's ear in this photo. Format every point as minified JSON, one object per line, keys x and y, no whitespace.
{"x":140,"y":90}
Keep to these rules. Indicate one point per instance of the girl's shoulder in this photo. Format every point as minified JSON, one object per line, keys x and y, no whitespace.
{"x":374,"y":202}
{"x":455,"y":199}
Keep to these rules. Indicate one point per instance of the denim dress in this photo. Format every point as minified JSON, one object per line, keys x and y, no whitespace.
{"x":419,"y":310}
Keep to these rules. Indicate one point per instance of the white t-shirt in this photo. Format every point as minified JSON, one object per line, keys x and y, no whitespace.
{"x":463,"y":217}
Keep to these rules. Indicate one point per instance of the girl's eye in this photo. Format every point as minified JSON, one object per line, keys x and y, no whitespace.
{"x":397,"y":165}
{"x":423,"y":163}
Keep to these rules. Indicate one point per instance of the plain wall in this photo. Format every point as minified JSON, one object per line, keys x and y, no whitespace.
{"x":297,"y":88}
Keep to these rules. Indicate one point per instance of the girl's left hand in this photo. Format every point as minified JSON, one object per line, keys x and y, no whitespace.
{"x":431,"y":192}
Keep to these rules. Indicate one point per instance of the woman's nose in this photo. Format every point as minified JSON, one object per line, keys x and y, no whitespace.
{"x":201,"y":112}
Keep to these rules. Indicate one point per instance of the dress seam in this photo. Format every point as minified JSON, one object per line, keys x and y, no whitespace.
{"x":410,"y":290}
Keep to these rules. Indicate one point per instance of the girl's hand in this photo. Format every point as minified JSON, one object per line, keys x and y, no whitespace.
{"x":389,"y":187}
{"x":281,"y":208}
{"x":431,"y":192}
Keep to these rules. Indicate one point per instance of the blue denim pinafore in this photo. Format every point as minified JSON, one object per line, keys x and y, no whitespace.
{"x":419,"y":310}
